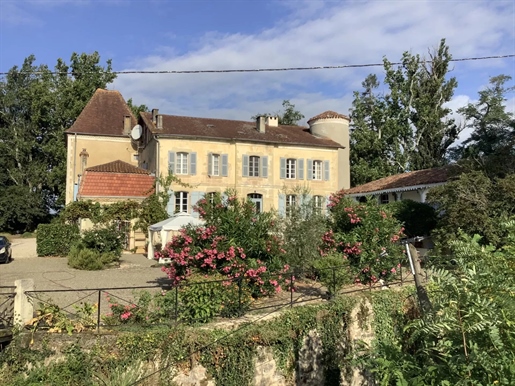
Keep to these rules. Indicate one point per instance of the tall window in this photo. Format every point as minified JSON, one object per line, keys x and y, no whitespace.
{"x":291,"y":201}
{"x":317,"y":170}
{"x":291,"y":166}
{"x":215,"y":165}
{"x":181,"y":164}
{"x":253,"y":166}
{"x":181,"y":202}
{"x":317,"y":204}
{"x":257,"y":200}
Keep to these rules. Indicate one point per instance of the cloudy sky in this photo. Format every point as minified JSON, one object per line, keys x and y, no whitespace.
{"x":250,"y":34}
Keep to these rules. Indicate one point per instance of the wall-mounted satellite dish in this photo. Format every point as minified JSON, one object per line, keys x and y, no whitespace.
{"x":136,"y":132}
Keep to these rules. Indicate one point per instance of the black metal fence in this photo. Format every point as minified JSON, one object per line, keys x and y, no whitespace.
{"x":166,"y":304}
{"x":7,"y":306}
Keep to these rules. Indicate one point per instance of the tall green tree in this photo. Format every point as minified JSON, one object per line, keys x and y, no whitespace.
{"x":407,"y":127}
{"x":490,"y":146}
{"x":289,"y":116}
{"x":36,"y":106}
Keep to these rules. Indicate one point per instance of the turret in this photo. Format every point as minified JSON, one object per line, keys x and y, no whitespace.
{"x":335,"y":126}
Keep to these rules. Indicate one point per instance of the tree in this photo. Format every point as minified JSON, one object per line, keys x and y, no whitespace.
{"x":36,"y":106}
{"x":490,"y":146}
{"x":290,"y":116}
{"x":408,"y":128}
{"x":137,"y":109}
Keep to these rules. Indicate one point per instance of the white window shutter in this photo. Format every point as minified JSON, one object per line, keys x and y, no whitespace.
{"x":245,"y":166}
{"x":283,"y":168}
{"x":225,"y":165}
{"x":195,"y":197}
{"x":210,"y":164}
{"x":193,"y":163}
{"x":264,"y":167}
{"x":282,"y":205}
{"x":170,"y":205}
{"x":326,"y":170}
{"x":171,"y":162}
{"x":300,"y":166}
{"x":310,"y":169}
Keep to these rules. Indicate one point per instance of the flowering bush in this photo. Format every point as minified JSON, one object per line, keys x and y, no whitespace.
{"x":203,"y":250}
{"x":237,"y":243}
{"x":365,"y":234}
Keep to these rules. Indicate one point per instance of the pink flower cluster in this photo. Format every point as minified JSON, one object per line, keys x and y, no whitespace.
{"x":201,"y":249}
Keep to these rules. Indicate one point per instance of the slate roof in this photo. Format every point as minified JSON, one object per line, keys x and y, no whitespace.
{"x":103,"y":115}
{"x":328,"y":115}
{"x":116,"y":179}
{"x":405,"y":181}
{"x":212,"y":128}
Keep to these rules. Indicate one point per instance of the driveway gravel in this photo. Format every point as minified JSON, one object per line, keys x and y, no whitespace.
{"x":52,"y":273}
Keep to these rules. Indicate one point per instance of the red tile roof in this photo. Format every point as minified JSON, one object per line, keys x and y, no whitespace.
{"x":180,"y":126}
{"x":328,"y":115}
{"x":116,"y":179}
{"x":103,"y":115}
{"x":117,"y":167}
{"x":405,"y":181}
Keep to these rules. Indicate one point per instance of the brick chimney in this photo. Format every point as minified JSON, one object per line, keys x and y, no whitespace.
{"x":159,"y":121}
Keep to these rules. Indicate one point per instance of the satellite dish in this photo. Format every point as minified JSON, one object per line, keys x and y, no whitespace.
{"x":136,"y":132}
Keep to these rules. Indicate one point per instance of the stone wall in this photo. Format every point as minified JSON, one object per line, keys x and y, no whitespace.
{"x":309,"y":368}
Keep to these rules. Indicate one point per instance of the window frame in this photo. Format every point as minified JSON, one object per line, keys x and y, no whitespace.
{"x":215,"y":165}
{"x":254,"y":166}
{"x":290,"y":202}
{"x":318,"y":202}
{"x":291,"y":168}
{"x":256,"y":198}
{"x":384,"y":198}
{"x":317,"y":170}
{"x":181,"y":202}
{"x":181,"y":162}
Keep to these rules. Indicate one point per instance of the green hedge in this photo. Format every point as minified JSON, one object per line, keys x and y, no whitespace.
{"x":56,"y":239}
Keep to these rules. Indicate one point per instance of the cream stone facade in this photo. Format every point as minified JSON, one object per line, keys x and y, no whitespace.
{"x":99,"y":150}
{"x":261,"y":160}
{"x":263,"y":168}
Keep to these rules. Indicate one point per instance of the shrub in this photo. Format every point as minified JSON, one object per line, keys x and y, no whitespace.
{"x":56,"y":239}
{"x":366,"y":234}
{"x":104,"y":240}
{"x":333,"y":271}
{"x":419,"y":219}
{"x":90,"y":259}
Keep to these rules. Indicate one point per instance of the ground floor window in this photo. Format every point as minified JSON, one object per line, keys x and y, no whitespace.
{"x":257,"y":200}
{"x":317,"y":204}
{"x":291,"y":202}
{"x":181,"y":202}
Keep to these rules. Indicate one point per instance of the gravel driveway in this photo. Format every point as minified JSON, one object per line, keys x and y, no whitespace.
{"x":51,"y":273}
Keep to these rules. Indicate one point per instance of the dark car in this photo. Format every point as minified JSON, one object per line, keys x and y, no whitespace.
{"x":5,"y":250}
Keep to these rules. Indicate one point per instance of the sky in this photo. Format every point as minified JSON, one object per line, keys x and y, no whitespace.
{"x":251,"y":34}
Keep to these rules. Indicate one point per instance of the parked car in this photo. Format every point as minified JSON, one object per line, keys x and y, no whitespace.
{"x":5,"y":250}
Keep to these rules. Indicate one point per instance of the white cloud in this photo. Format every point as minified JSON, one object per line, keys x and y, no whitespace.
{"x":328,"y":33}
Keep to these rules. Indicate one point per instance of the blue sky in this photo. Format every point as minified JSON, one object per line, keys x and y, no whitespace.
{"x":185,"y":35}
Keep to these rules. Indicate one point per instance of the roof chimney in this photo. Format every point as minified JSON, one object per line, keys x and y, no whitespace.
{"x":272,"y":121}
{"x":260,"y":124}
{"x":155,"y":113}
{"x":159,"y":121}
{"x":127,"y":124}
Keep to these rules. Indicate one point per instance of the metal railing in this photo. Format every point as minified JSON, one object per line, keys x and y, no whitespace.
{"x":72,"y":302}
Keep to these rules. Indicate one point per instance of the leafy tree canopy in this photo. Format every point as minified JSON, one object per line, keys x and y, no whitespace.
{"x":407,"y":127}
{"x":37,"y":105}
